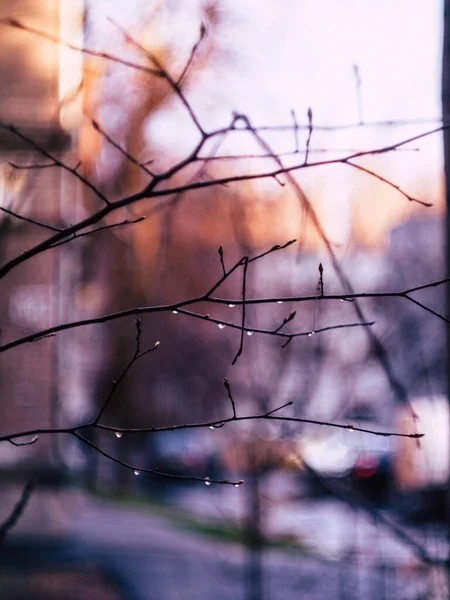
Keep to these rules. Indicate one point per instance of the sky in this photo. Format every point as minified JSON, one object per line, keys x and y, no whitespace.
{"x":276,"y":56}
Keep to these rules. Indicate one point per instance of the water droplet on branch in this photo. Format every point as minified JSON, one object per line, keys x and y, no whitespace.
{"x":118,"y":434}
{"x":221,"y":326}
{"x":136,"y":472}
{"x":249,"y":332}
{"x":207,"y":481}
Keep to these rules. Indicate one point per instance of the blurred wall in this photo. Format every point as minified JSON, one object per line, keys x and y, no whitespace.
{"x":29,"y":99}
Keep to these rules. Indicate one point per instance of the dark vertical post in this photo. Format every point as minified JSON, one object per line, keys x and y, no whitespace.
{"x":254,"y":567}
{"x":446,"y":119}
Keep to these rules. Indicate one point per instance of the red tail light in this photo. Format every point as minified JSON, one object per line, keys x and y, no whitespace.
{"x":366,"y":466}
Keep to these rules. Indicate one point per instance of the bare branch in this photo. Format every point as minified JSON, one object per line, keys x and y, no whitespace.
{"x":161,"y":69}
{"x":207,"y":297}
{"x":227,"y":385}
{"x":57,"y":162}
{"x":16,"y":512}
{"x":118,"y":147}
{"x":271,"y":412}
{"x":137,"y":470}
{"x":390,"y":183}
{"x":76,"y":236}
{"x":320,"y":288}
{"x":33,"y":440}
{"x":427,"y":308}
{"x":251,"y":330}
{"x":310,"y":130}
{"x":243,"y":329}
{"x":285,"y":321}
{"x":294,"y":120}
{"x":205,"y":424}
{"x":136,"y":356}
{"x":273,"y":249}
{"x":103,"y":55}
{"x":20,"y":217}
{"x":37,"y":166}
{"x":220,"y":251}
{"x":285,"y":170}
{"x":329,"y":150}
{"x":151,"y":191}
{"x":203,"y":33}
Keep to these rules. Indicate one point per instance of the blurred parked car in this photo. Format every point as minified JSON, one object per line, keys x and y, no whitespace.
{"x":184,"y":453}
{"x":359,"y":459}
{"x":371,"y":474}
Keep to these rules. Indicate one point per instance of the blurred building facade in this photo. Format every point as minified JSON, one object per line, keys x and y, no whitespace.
{"x":171,"y":256}
{"x":32,"y":73}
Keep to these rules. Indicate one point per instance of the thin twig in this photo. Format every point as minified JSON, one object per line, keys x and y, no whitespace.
{"x":320,"y":288}
{"x":427,"y":309}
{"x":57,"y":161}
{"x":285,"y":321}
{"x":103,"y":55}
{"x":227,"y":385}
{"x":271,"y":412}
{"x":225,"y":276}
{"x":37,"y":166}
{"x":273,"y":249}
{"x":220,"y":251}
{"x":19,"y":217}
{"x":30,"y":442}
{"x":240,"y":157}
{"x":288,"y":341}
{"x":118,"y":147}
{"x":138,"y":469}
{"x":390,"y":183}
{"x":16,"y":512}
{"x":310,"y":130}
{"x":161,"y":69}
{"x":243,"y":329}
{"x":294,"y":120}
{"x":274,"y":332}
{"x":136,"y":356}
{"x":203,"y":32}
{"x":77,"y":236}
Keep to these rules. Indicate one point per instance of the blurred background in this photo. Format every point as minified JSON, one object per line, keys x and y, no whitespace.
{"x":324,"y":512}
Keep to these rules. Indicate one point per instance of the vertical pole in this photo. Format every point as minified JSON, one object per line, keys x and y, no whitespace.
{"x":254,"y":568}
{"x":446,"y":119}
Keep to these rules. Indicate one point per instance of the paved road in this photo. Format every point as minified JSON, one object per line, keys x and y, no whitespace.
{"x":329,"y":527}
{"x":155,"y":560}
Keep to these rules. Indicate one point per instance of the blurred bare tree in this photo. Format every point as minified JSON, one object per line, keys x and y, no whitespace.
{"x":167,"y":290}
